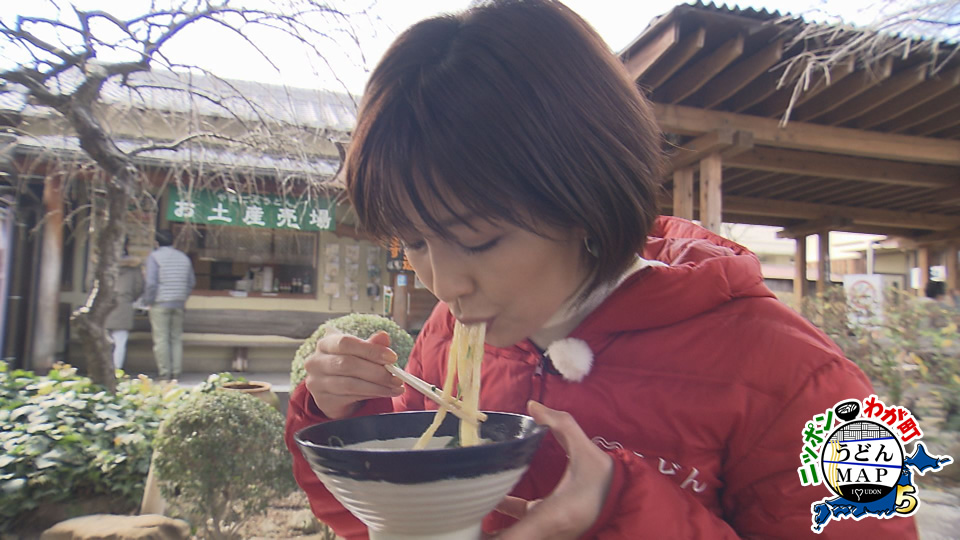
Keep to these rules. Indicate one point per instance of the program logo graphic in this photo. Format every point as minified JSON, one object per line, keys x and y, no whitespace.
{"x":862,"y":460}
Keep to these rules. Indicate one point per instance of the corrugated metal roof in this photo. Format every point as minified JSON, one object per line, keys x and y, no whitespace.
{"x":210,"y":96}
{"x":240,"y":162}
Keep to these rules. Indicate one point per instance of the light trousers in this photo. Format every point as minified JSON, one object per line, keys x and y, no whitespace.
{"x":119,"y":346}
{"x":167,"y":328}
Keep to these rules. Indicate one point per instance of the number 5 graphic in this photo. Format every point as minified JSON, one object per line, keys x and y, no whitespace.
{"x":906,"y":503}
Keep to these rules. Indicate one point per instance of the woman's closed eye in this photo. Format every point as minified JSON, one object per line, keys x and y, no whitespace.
{"x":415,"y":245}
{"x":473,"y":250}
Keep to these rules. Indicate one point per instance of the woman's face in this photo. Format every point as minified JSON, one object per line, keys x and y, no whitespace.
{"x":498,"y":273}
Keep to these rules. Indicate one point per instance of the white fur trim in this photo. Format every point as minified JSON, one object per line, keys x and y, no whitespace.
{"x":572,"y":357}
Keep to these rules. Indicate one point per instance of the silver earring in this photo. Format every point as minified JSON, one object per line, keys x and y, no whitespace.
{"x":592,"y":247}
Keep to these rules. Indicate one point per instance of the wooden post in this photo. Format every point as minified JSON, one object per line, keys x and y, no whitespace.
{"x":683,"y":193}
{"x":923,"y":262}
{"x":823,"y":262}
{"x":48,"y":284}
{"x":800,"y":270}
{"x":711,"y":205}
{"x":950,"y":256}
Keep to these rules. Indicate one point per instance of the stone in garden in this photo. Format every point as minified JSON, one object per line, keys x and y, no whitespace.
{"x":111,"y":527}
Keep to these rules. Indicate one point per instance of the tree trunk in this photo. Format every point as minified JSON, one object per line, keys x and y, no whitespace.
{"x":121,"y":177}
{"x":89,"y":319}
{"x":48,"y":289}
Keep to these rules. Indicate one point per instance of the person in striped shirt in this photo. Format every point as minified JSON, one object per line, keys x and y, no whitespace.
{"x":170,"y":279}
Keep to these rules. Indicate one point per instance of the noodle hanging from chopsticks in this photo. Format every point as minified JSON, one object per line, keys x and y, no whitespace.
{"x":466,"y":355}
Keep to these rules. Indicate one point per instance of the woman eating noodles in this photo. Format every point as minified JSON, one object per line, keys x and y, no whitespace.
{"x":520,"y":166}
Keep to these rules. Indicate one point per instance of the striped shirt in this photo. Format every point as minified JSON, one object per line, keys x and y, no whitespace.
{"x":170,"y":278}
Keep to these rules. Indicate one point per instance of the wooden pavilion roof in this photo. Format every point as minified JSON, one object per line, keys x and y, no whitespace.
{"x":875,"y":150}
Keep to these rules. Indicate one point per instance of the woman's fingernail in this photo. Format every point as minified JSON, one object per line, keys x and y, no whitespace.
{"x":389,"y":357}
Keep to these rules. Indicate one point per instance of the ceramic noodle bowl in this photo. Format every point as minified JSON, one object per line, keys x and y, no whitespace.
{"x":439,"y":493}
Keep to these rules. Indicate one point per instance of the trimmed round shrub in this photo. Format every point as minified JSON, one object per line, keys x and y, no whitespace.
{"x":362,"y":325}
{"x":221,"y":458}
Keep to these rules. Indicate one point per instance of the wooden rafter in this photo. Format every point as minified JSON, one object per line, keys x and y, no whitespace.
{"x":842,"y":92}
{"x":809,"y":185}
{"x":737,"y":76}
{"x":876,"y":96}
{"x":842,"y":190}
{"x":903,"y":104}
{"x":856,"y":195}
{"x":754,"y":92}
{"x":883,"y":196}
{"x":772,"y":184}
{"x":674,"y":59}
{"x":776,"y":104}
{"x":693,"y":77}
{"x":760,"y":178}
{"x":805,"y":136}
{"x":640,"y":61}
{"x":918,"y":115}
{"x":948,"y":119}
{"x":852,"y":168}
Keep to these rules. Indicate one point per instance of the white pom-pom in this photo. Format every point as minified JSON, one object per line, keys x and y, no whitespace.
{"x":572,"y":357}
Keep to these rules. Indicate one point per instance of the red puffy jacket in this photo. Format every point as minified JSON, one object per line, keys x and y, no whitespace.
{"x":700,"y":386}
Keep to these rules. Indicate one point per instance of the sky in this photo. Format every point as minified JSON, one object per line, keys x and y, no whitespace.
{"x":618,"y":21}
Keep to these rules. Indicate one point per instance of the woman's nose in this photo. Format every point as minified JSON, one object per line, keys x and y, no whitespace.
{"x":451,"y":277}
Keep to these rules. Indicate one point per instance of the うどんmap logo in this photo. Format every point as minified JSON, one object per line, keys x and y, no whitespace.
{"x":858,"y":453}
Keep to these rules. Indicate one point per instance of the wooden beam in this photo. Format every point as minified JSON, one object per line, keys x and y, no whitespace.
{"x":693,"y":151}
{"x":803,"y":136}
{"x":918,"y":115}
{"x":675,"y":59}
{"x":842,"y":92}
{"x":866,"y":216}
{"x":683,"y":193}
{"x":876,"y":96}
{"x":711,"y":202}
{"x":848,"y":168}
{"x":814,"y":226}
{"x":640,"y":61}
{"x":800,"y":269}
{"x":933,"y":87}
{"x":725,"y":141}
{"x":738,"y":76}
{"x":823,"y":261}
{"x":777,"y":104}
{"x":693,"y":77}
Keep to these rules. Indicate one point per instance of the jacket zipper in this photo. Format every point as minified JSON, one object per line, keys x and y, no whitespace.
{"x":539,"y":380}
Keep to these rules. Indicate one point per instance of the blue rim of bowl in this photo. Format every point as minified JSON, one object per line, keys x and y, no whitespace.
{"x":515,"y":438}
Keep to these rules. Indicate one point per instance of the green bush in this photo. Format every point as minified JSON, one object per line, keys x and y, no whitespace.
{"x":65,"y":439}
{"x":909,"y":342}
{"x":362,"y":325}
{"x":221,"y":458}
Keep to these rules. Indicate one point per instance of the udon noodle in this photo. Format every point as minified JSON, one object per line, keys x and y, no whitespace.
{"x":463,"y":362}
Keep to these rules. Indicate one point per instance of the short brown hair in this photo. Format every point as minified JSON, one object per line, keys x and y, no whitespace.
{"x":518,"y":111}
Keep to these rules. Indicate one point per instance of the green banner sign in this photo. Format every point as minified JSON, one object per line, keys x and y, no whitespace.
{"x":266,"y":211}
